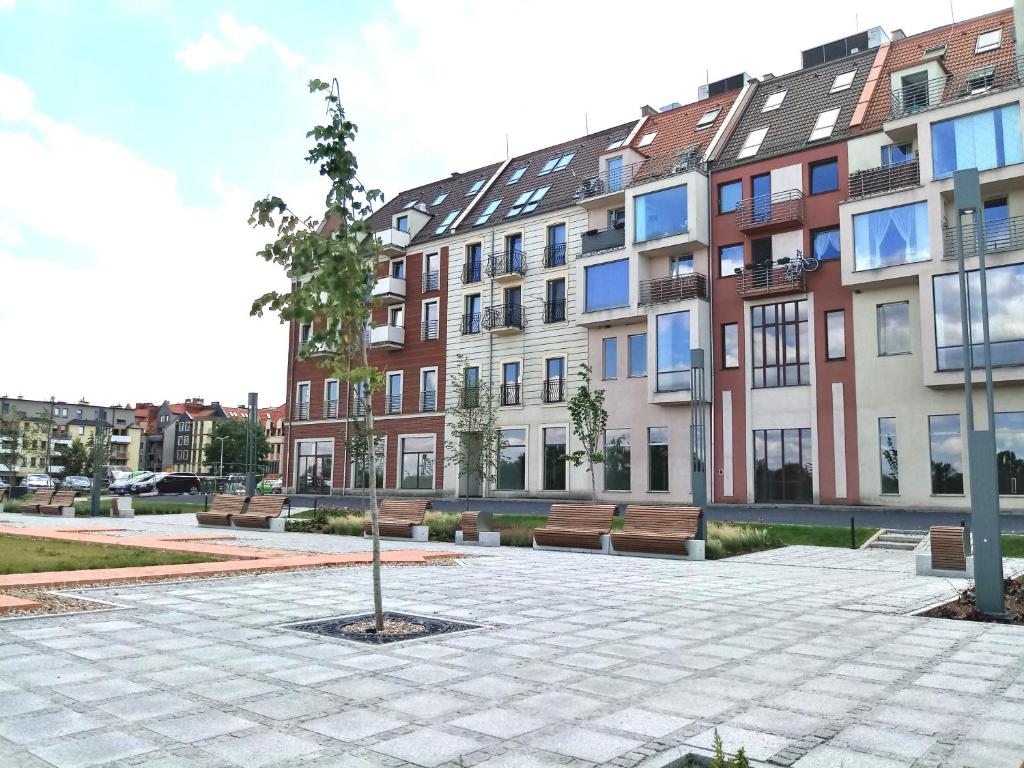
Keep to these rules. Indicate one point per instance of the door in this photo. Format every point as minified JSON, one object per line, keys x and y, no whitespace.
{"x":761,"y":192}
{"x":430,"y":316}
{"x":514,"y":253}
{"x":997,"y":224}
{"x":513,"y":307}
{"x":556,"y":301}
{"x":761,"y":254}
{"x":510,"y":384}
{"x":314,"y":467}
{"x":554,"y":380}
{"x":615,"y":174}
{"x":469,"y":480}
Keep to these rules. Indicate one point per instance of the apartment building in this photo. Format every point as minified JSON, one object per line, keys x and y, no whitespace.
{"x":175,"y":435}
{"x":785,"y":396}
{"x":943,"y":100}
{"x":272,"y":422}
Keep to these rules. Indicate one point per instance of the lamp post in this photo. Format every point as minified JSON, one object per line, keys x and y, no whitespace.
{"x":222,"y":439}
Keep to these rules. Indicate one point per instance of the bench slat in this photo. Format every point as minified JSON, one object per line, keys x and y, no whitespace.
{"x":947,"y":544}
{"x":577,"y":526}
{"x":224,"y":507}
{"x":658,"y":530}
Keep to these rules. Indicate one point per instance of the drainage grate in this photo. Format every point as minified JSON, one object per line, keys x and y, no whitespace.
{"x":353,"y":627}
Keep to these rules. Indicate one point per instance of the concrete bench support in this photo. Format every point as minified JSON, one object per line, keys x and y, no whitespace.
{"x":419,"y":533}
{"x":486,"y":539}
{"x":694,"y":551}
{"x":604,"y":550}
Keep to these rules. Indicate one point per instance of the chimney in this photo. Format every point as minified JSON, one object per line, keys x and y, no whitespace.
{"x":898,"y":34}
{"x":647,"y":111}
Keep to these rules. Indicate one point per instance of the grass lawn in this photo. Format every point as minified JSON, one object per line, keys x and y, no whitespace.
{"x":20,"y":554}
{"x":1013,"y":546}
{"x":819,"y":535}
{"x":141,"y":507}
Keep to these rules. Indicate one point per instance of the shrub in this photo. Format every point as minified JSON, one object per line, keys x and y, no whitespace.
{"x":442,"y":525}
{"x":515,"y":536}
{"x":728,"y":539}
{"x":345,"y":525}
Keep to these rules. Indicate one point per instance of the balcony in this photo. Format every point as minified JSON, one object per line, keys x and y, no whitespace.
{"x":597,"y":240}
{"x":679,"y":288}
{"x":387,"y":337}
{"x":771,"y":212}
{"x":120,"y":439}
{"x":612,"y":182}
{"x":429,"y":330}
{"x":393,"y":242}
{"x":553,"y":391}
{"x":554,"y":255}
{"x":392,"y":404}
{"x":554,"y":311}
{"x":999,"y":236}
{"x":389,"y":290}
{"x":301,"y":412}
{"x":507,"y":266}
{"x":330,"y":409}
{"x":59,"y":441}
{"x":950,"y":88}
{"x":504,"y":319}
{"x":428,"y":401}
{"x":358,"y":407}
{"x":472,"y":272}
{"x":431,"y":281}
{"x":511,"y":394}
{"x":770,"y":279}
{"x":470,"y":324}
{"x":886,"y":178}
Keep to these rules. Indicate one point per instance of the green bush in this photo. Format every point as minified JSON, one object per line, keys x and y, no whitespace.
{"x":442,"y":525}
{"x":515,"y":536}
{"x":729,"y":539}
{"x":345,"y":525}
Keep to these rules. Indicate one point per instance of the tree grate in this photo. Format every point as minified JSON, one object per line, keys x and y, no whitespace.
{"x":345,"y":627}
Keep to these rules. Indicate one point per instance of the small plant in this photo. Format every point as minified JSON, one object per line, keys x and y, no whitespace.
{"x":719,"y":760}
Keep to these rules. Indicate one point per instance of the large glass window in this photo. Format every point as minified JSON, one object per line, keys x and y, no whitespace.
{"x":638,"y":354}
{"x":554,"y":458}
{"x":673,"y":351}
{"x":730,"y":258}
{"x":891,"y":236}
{"x":1005,"y":310}
{"x":779,"y":345}
{"x":835,"y":334}
{"x":783,"y":465}
{"x":1010,"y":452}
{"x":946,"y":454}
{"x":607,"y":285}
{"x":657,"y":459}
{"x":614,"y":174}
{"x":824,"y":176}
{"x":609,"y":358}
{"x":417,"y":462}
{"x":894,"y":328}
{"x":730,"y":345}
{"x":729,"y":195}
{"x":984,"y":140}
{"x":888,"y":455}
{"x":361,"y":469}
{"x":512,"y":460}
{"x":661,"y":213}
{"x":825,"y":244}
{"x":616,"y":460}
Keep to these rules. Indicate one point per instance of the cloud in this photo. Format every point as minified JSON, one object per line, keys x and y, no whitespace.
{"x":7,"y":5}
{"x":233,"y":44}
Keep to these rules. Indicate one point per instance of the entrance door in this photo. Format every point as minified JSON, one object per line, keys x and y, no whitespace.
{"x":315,"y":466}
{"x":783,"y":466}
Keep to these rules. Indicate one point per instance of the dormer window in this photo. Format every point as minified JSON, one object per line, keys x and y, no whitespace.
{"x":410,"y":204}
{"x":989,"y":41}
{"x":448,"y":220}
{"x":980,"y":80}
{"x":402,"y":223}
{"x":475,"y":188}
{"x":707,"y":118}
{"x":439,"y":199}
{"x":616,"y":144}
{"x":517,"y":174}
{"x":486,"y":214}
{"x":843,"y":82}
{"x":564,"y":160}
{"x":556,"y":163}
{"x":647,"y":139}
{"x":939,"y":50}
{"x":752,"y":144}
{"x":527,"y":202}
{"x":774,"y":101}
{"x":824,"y":124}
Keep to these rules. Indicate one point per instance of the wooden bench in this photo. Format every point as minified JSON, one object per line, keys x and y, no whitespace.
{"x":661,"y":531}
{"x":262,"y":512}
{"x":30,"y":504}
{"x":59,"y":504}
{"x":576,"y":526}
{"x":400,"y":519}
{"x":475,"y":528}
{"x":224,"y":507}
{"x":3,"y":496}
{"x":948,"y":552}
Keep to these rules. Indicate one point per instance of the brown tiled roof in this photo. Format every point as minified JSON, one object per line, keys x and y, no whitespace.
{"x":677,"y":128}
{"x":960,"y":39}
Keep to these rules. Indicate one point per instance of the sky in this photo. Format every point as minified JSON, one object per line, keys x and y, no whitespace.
{"x":135,"y":136}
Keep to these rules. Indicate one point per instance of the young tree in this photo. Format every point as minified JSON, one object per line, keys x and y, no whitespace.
{"x":16,"y":434}
{"x":235,"y":432}
{"x":473,"y":447}
{"x":332,"y":270}
{"x":74,"y":457}
{"x":589,"y":420}
{"x":98,"y":454}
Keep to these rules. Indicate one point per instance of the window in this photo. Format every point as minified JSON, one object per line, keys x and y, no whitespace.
{"x":996,"y":215}
{"x":417,"y":462}
{"x":428,"y":389}
{"x":607,"y":285}
{"x":439,"y":199}
{"x":471,"y":387}
{"x":824,"y":176}
{"x":431,"y":313}
{"x":471,"y":314}
{"x":554,"y":252}
{"x":563,"y":161}
{"x":1005,"y":309}
{"x":637,"y":348}
{"x":988,"y":41}
{"x":680,"y":265}
{"x":548,"y":166}
{"x":396,"y":317}
{"x":556,"y":164}
{"x":517,"y":174}
{"x":535,"y":198}
{"x":616,"y":460}
{"x":361,"y":470}
{"x":946,"y":454}
{"x":447,"y":220}
{"x":835,"y":334}
{"x":984,"y":140}
{"x":783,"y":465}
{"x":761,"y":192}
{"x":774,"y":101}
{"x":554,"y":304}
{"x":554,"y":380}
{"x":779,"y":345}
{"x":825,"y":244}
{"x":843,"y":82}
{"x":661,"y":213}
{"x":730,"y":345}
{"x":410,"y":204}
{"x":939,"y":50}
{"x":729,"y":196}
{"x":609,"y":358}
{"x":510,"y":386}
{"x":897,"y":154}
{"x":431,"y":272}
{"x":891,"y":236}
{"x":616,"y":217}
{"x":398,"y":269}
{"x":894,"y":328}
{"x":78,"y":413}
{"x":673,"y":352}
{"x":331,"y":391}
{"x":1009,"y":428}
{"x":913,"y":91}
{"x":393,"y":398}
{"x":752,"y":144}
{"x":824,"y":124}
{"x":474,"y":259}
{"x":647,"y":138}
{"x":475,"y":188}
{"x":615,"y":144}
{"x":888,"y":455}
{"x":657,"y":458}
{"x":305,"y":331}
{"x":981,"y":79}
{"x":614,"y":172}
{"x":554,"y":458}
{"x":512,"y":460}
{"x":527,"y":202}
{"x":486,"y":213}
{"x":402,"y":223}
{"x":707,"y":118}
{"x":730,"y":258}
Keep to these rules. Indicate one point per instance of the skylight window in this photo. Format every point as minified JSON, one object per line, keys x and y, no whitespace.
{"x":411,"y":203}
{"x":535,"y":199}
{"x":491,"y":208}
{"x":708,"y":118}
{"x":824,"y":124}
{"x":475,"y":188}
{"x":517,"y":174}
{"x":564,"y":160}
{"x":980,"y":80}
{"x":616,"y":144}
{"x":842,"y":82}
{"x":556,"y":164}
{"x":647,"y":138}
{"x":989,"y":41}
{"x":774,"y":101}
{"x":439,"y":199}
{"x":517,"y":206}
{"x":447,"y":220}
{"x":753,"y":143}
{"x":939,"y":50}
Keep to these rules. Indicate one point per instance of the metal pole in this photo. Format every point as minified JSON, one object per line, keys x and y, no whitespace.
{"x":97,"y":469}
{"x":853,"y":534}
{"x":250,"y":444}
{"x":698,"y":449}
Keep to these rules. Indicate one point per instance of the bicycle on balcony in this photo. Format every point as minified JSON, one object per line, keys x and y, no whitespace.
{"x":798,"y":265}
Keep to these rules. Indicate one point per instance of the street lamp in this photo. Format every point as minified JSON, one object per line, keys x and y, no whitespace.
{"x":222,"y":439}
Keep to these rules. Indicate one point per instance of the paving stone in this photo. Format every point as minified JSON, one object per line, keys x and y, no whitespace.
{"x":235,"y":689}
{"x":134,"y":708}
{"x":973,"y":754}
{"x":837,"y":757}
{"x":365,"y":689}
{"x":254,"y":750}
{"x":558,"y":704}
{"x":110,"y":688}
{"x":291,"y":705}
{"x":1001,"y":731}
{"x":490,"y":686}
{"x":33,"y":728}
{"x":425,"y":704}
{"x":955,"y":683}
{"x":18,"y":703}
{"x":901,"y":744}
{"x":353,"y":725}
{"x":643,"y":722}
{"x":582,"y":743}
{"x":500,"y":723}
{"x":93,"y":750}
{"x":778,"y":721}
{"x":428,"y":747}
{"x":190,"y":728}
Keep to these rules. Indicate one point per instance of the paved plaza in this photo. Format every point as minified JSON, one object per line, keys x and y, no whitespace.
{"x":804,"y":656}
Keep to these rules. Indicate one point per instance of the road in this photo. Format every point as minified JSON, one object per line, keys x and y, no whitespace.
{"x":872,"y":517}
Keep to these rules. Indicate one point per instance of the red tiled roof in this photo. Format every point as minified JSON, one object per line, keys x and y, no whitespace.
{"x":677,"y":128}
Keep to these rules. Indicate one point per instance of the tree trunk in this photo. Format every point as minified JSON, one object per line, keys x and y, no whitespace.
{"x":593,"y":484}
{"x":378,"y":602}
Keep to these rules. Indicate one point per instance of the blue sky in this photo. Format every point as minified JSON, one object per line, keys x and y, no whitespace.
{"x":135,"y":134}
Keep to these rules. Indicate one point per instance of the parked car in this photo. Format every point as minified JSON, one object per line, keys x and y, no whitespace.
{"x":36,"y":482}
{"x":168,"y":482}
{"x":77,"y":483}
{"x":123,"y":486}
{"x":269,"y":486}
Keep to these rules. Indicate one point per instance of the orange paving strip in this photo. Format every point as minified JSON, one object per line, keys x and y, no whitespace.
{"x":174,"y":544}
{"x":8,"y":603}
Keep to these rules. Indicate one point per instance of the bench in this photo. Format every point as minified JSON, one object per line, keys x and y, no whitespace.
{"x":262,"y":512}
{"x":576,"y":527}
{"x":61,"y":503}
{"x":30,"y":504}
{"x":3,"y":495}
{"x":121,"y":507}
{"x":660,"y":532}
{"x":224,"y":507}
{"x":400,"y":519}
{"x":475,"y":528}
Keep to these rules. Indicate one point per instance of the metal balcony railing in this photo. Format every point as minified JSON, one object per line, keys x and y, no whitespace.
{"x":358,"y":406}
{"x":770,"y":278}
{"x":554,"y":255}
{"x":553,"y":390}
{"x":392,"y":404}
{"x":301,"y":412}
{"x":431,"y":281}
{"x":511,"y":394}
{"x":472,"y":271}
{"x":470,"y":397}
{"x":470,"y":324}
{"x":429,"y":330}
{"x":778,"y":208}
{"x":603,"y":239}
{"x":504,"y":316}
{"x":886,"y":178}
{"x":554,"y":311}
{"x":651,"y":169}
{"x":1000,"y":235}
{"x":330,"y":409}
{"x":665,"y":289}
{"x":507,"y":262}
{"x":954,"y":87}
{"x":428,"y":400}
